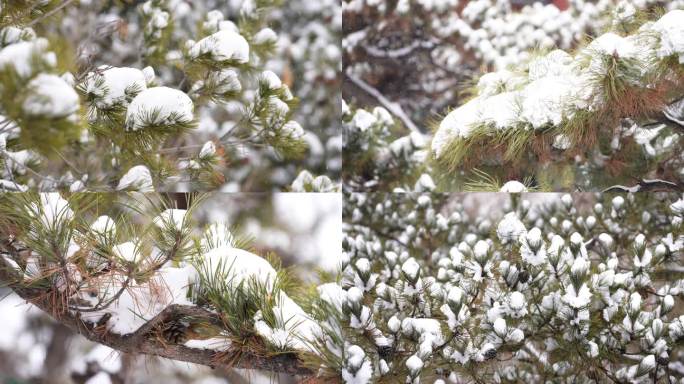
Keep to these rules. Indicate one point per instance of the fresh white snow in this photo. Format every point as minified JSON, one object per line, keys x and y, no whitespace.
{"x":222,"y":46}
{"x":50,"y":96}
{"x":168,"y":106}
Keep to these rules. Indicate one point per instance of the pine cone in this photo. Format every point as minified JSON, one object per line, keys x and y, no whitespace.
{"x":176,"y":332}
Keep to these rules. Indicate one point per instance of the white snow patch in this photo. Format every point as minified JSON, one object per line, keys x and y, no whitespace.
{"x":171,"y":106}
{"x":50,"y":96}
{"x":137,"y":178}
{"x":222,"y":46}
{"x":110,"y":84}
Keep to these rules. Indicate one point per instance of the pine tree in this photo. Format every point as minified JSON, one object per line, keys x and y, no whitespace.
{"x":135,"y":273}
{"x":185,"y":110}
{"x":581,"y":289}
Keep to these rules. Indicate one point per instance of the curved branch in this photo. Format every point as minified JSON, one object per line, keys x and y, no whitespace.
{"x":142,"y":340}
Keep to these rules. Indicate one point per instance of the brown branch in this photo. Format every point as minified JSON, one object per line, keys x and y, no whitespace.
{"x":142,"y":341}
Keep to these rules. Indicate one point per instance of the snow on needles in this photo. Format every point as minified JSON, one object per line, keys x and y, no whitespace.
{"x":50,"y":96}
{"x":240,"y":268}
{"x":159,"y":106}
{"x":224,"y":45}
{"x":558,"y":85}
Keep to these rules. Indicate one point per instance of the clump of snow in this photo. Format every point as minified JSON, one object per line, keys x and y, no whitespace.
{"x":139,"y":302}
{"x":113,"y":85}
{"x":104,"y":226}
{"x":577,"y":298}
{"x":513,"y":186}
{"x":671,"y":29}
{"x":363,"y":120}
{"x":265,"y":36}
{"x":510,"y":228}
{"x":208,"y":150}
{"x":293,"y":326}
{"x":222,"y":46}
{"x":357,"y":369}
{"x":52,"y":211}
{"x":159,"y":106}
{"x":137,"y":178}
{"x":20,"y":55}
{"x":457,"y":123}
{"x":174,"y":218}
{"x":293,"y":130}
{"x":50,"y":96}
{"x":223,"y":81}
{"x":217,"y":235}
{"x":271,"y":80}
{"x":128,"y":251}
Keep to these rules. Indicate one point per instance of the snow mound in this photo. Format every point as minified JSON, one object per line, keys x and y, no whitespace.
{"x":137,"y":178}
{"x":20,"y":55}
{"x":671,"y":30}
{"x":159,"y":106}
{"x":50,"y":96}
{"x":110,"y":84}
{"x":223,"y":45}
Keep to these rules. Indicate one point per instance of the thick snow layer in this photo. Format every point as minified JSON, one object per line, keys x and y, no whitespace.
{"x":548,"y":100}
{"x":612,"y":44}
{"x":110,"y":84}
{"x":50,"y":96}
{"x":20,"y":55}
{"x":457,"y":123}
{"x":671,"y":30}
{"x":223,"y":45}
{"x":171,"y":106}
{"x":140,"y":302}
{"x":238,"y":265}
{"x":137,"y":178}
{"x":501,"y":110}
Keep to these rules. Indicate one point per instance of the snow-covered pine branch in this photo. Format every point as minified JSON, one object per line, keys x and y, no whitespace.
{"x":381,"y":163}
{"x":142,"y":278}
{"x":603,"y":103}
{"x":582,"y":289}
{"x":199,"y":79}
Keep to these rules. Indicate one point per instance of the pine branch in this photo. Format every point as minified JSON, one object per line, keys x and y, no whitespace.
{"x":142,"y":341}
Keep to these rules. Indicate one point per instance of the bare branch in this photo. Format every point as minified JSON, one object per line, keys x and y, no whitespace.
{"x":394,"y":108}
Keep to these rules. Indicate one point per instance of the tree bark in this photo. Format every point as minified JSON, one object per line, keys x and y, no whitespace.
{"x":142,"y":341}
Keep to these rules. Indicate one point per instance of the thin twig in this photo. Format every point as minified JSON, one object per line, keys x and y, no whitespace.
{"x":45,"y":16}
{"x":393,"y":107}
